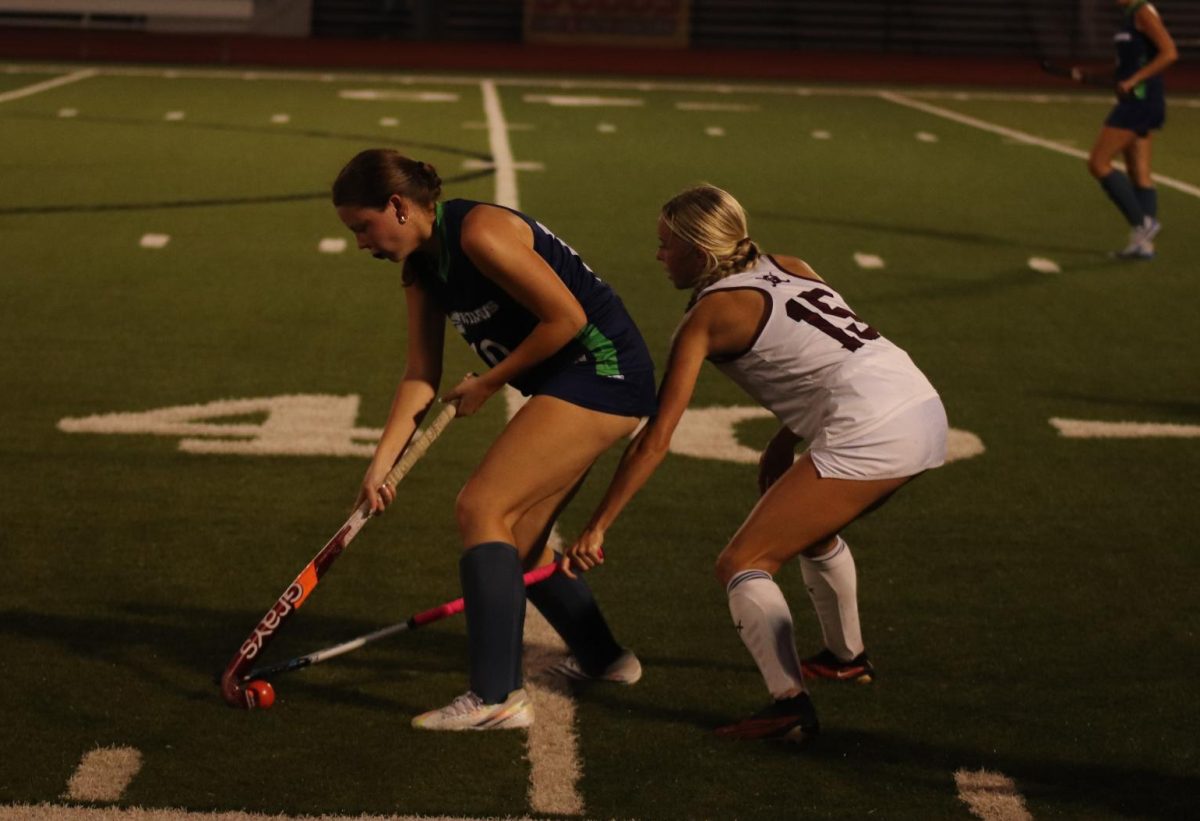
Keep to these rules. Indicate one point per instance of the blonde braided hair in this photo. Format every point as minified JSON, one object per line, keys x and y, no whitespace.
{"x":712,"y":221}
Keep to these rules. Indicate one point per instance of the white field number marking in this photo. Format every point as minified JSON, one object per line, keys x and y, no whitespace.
{"x":299,"y":425}
{"x":326,"y":425}
{"x":711,"y":433}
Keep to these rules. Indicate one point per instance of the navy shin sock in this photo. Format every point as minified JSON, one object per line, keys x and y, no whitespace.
{"x":1148,"y":199}
{"x":1120,"y":191}
{"x":571,"y":609}
{"x":494,"y":598}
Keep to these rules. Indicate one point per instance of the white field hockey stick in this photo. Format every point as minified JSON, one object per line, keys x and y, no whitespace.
{"x":233,"y":680}
{"x":413,"y":622}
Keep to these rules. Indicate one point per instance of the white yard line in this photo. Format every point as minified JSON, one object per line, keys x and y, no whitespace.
{"x":103,"y":774}
{"x":46,"y":85}
{"x":56,"y":812}
{"x":782,"y":89}
{"x":502,"y":156}
{"x":991,"y":796}
{"x":1096,"y":429}
{"x":1018,"y":136}
{"x":554,"y":767}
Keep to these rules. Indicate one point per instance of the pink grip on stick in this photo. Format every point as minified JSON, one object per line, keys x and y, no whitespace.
{"x":451,"y":608}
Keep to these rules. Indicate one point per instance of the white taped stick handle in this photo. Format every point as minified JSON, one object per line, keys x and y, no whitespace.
{"x":419,"y":445}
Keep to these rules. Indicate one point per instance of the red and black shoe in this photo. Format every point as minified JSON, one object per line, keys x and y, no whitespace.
{"x":792,"y":719}
{"x":826,"y":665}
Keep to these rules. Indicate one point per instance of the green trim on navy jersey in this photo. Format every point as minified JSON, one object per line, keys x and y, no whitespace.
{"x":443,"y":263}
{"x":601,"y":348}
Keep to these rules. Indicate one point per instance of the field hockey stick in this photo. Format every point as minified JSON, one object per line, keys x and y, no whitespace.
{"x":1070,"y":72}
{"x":232,"y":680}
{"x":421,"y":619}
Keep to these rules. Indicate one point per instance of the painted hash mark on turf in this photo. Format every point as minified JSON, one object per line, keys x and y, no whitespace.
{"x":736,"y":107}
{"x":155,"y":240}
{"x":576,"y":101}
{"x":103,"y":774}
{"x":331,"y":245}
{"x":715,"y":131}
{"x":1044,"y":266}
{"x":991,"y":796}
{"x":484,"y":165}
{"x":398,"y":96}
{"x":867,"y":260}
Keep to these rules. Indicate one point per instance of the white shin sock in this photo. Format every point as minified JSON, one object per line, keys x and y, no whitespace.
{"x":832,"y":584}
{"x":764,"y":623}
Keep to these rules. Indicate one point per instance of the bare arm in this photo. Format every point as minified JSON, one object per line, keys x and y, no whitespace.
{"x":1149,"y":23}
{"x":647,"y":450}
{"x":415,"y":393}
{"x":501,"y":246}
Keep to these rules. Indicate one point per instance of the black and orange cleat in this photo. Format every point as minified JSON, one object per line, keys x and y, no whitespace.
{"x":791,"y":719}
{"x":828,"y":666}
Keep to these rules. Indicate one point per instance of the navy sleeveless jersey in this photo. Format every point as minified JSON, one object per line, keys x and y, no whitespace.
{"x":608,"y":349}
{"x":1145,"y":108}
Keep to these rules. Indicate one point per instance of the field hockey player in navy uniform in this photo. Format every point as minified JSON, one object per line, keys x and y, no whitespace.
{"x":545,"y":324}
{"x":1144,"y":50}
{"x":870,"y":419}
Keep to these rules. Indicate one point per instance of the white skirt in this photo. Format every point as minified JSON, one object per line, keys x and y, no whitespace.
{"x":912,"y":441}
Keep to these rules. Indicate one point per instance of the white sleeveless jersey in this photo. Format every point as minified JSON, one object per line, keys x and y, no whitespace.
{"x":827,"y":375}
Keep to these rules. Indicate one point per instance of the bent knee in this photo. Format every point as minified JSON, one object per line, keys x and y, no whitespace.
{"x":474,"y":509}
{"x":725,"y":569}
{"x":730,"y":563}
{"x":1099,"y":167}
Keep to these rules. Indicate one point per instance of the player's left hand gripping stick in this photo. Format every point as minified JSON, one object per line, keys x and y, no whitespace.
{"x":234,"y":687}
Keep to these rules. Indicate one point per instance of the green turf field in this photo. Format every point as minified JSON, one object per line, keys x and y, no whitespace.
{"x":1030,"y":608}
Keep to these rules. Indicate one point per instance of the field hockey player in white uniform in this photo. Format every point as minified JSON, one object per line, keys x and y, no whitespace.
{"x":869,"y":417}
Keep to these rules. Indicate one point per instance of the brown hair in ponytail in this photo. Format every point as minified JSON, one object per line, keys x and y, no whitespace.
{"x":374,"y":175}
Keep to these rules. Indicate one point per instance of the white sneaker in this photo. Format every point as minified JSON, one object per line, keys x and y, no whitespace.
{"x":625,"y":670}
{"x":1141,"y":240}
{"x":468,"y":712}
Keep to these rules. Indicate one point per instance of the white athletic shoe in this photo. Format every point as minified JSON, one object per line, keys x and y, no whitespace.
{"x":625,"y":670}
{"x":468,"y":712}
{"x":1141,"y":240}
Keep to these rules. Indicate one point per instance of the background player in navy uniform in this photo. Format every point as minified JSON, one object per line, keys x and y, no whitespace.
{"x":1144,"y":50}
{"x":869,"y":417}
{"x":544,"y":323}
